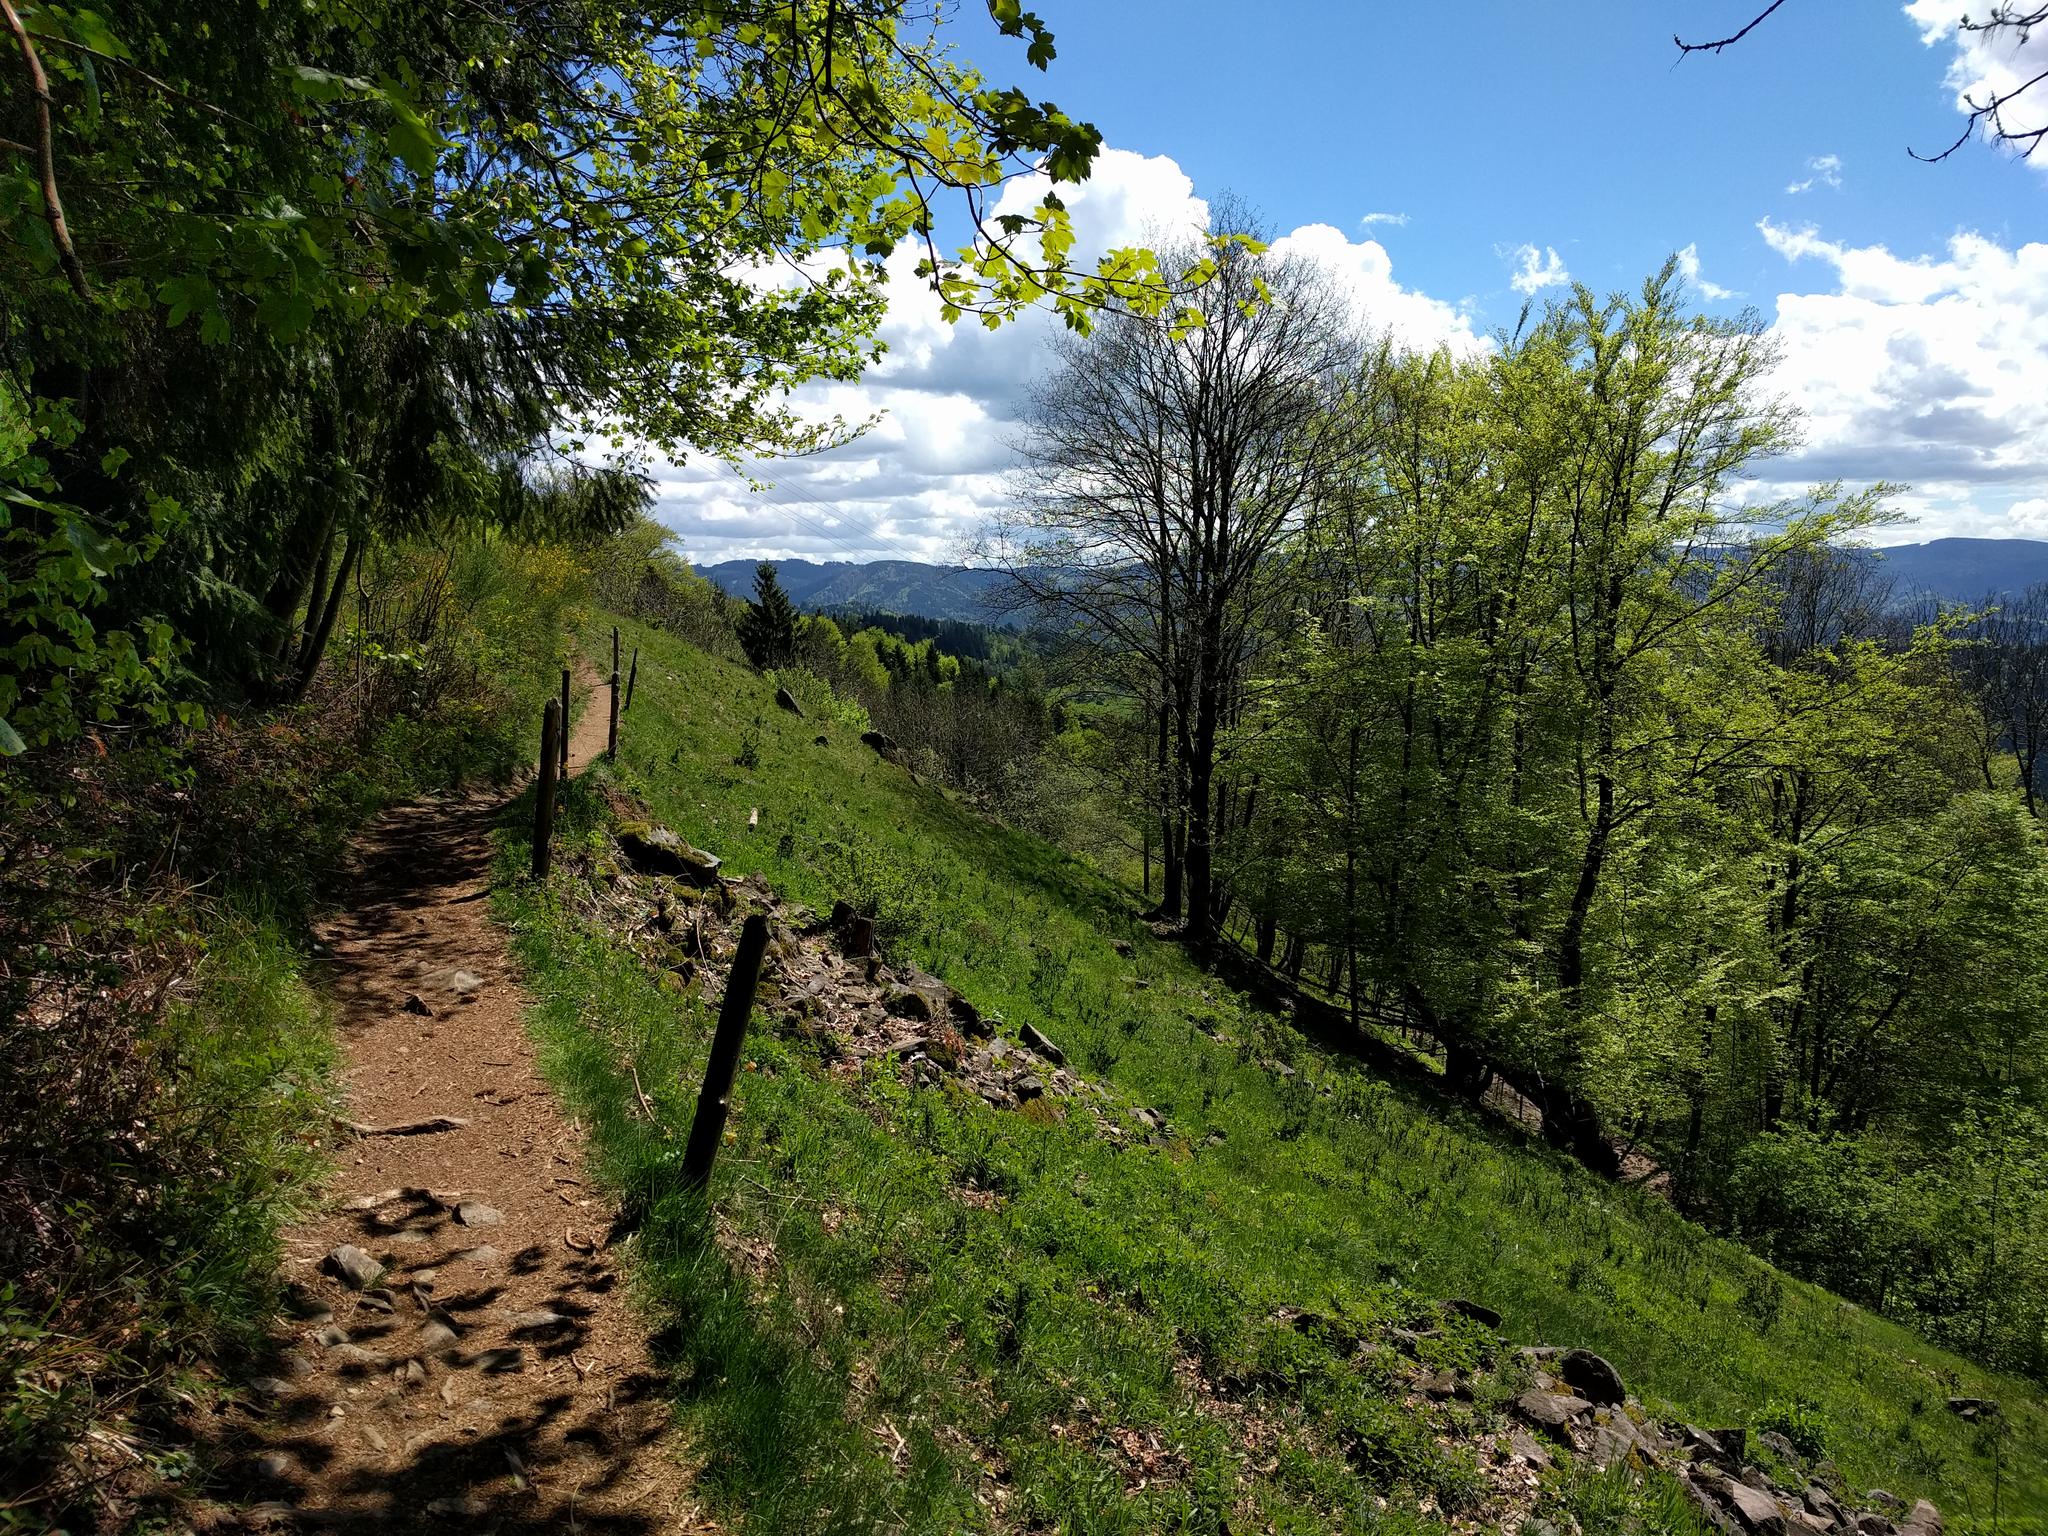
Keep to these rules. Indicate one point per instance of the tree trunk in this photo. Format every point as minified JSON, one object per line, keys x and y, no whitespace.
{"x":1568,"y":1120}
{"x":302,"y":570}
{"x":1351,"y":870}
{"x":1466,"y":1072}
{"x":1170,"y":846}
{"x":316,"y":642}
{"x":1197,"y":862}
{"x":1573,"y":1125}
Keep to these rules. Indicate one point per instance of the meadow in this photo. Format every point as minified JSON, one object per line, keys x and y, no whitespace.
{"x":903,"y":1308}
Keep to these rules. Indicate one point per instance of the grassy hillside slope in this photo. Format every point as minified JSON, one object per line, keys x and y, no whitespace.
{"x":908,"y":1351}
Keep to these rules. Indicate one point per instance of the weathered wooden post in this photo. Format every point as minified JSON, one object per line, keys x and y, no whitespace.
{"x":714,"y":1100}
{"x":563,"y":767}
{"x":544,"y":798}
{"x":611,"y":748}
{"x":632,"y":677}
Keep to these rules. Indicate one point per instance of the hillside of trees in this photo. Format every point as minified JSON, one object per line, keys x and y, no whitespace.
{"x":910,"y":587}
{"x":1462,"y":695}
{"x":1953,"y":570}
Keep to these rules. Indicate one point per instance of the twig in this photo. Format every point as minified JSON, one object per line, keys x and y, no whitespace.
{"x":404,"y":1127}
{"x":780,"y":1194}
{"x":646,"y":1108}
{"x":142,"y":74}
{"x":1715,"y":47}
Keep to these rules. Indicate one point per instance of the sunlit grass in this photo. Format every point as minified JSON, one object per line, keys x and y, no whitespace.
{"x":894,"y":1309}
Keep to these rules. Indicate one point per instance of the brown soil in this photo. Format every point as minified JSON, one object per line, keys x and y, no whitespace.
{"x":496,"y":1376}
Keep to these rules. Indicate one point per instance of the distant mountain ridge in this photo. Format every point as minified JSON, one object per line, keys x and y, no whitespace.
{"x":884,"y":586}
{"x":1955,"y":570}
{"x":1963,"y":570}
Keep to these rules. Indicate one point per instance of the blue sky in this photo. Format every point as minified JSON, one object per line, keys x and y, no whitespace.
{"x":1569,"y":123}
{"x":1502,"y":141}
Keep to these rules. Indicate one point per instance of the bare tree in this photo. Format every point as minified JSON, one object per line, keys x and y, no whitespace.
{"x":1823,"y":597}
{"x":2005,"y":663}
{"x":1169,"y":466}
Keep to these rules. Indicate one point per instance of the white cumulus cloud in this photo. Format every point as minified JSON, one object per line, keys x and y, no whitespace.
{"x":951,"y":398}
{"x":1536,"y":270}
{"x":1930,"y":370}
{"x":1415,"y":321}
{"x":1689,"y":269}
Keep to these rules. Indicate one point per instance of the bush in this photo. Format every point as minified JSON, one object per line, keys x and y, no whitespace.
{"x":901,"y":895}
{"x":1801,"y":1423}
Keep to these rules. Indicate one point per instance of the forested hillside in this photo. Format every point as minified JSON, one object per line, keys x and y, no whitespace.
{"x":1475,"y":705}
{"x":888,"y":586}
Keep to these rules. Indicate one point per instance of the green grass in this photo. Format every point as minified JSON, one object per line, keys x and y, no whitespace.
{"x":1020,"y":1337}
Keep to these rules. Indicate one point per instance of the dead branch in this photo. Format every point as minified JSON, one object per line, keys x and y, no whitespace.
{"x":46,"y":153}
{"x":404,"y":1127}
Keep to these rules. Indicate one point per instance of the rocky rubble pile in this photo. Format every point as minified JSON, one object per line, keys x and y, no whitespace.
{"x":825,"y":978}
{"x":1576,"y":1401}
{"x":1571,"y":1402}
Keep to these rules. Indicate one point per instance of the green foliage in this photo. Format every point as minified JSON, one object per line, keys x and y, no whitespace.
{"x":1799,"y":1422}
{"x":820,"y":700}
{"x":887,"y":884}
{"x":338,"y":276}
{"x":59,"y":672}
{"x":1618,"y":1502}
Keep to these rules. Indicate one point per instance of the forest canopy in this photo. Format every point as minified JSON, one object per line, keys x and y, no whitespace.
{"x":294,"y":281}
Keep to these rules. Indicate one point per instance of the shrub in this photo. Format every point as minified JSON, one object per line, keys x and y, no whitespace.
{"x":1801,"y":1423}
{"x":900,"y":894}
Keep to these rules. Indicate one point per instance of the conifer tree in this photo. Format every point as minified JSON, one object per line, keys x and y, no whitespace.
{"x":768,"y":627}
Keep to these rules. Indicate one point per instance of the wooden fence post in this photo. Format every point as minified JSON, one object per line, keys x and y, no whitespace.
{"x":632,"y":677}
{"x":611,"y":749}
{"x":714,"y":1100}
{"x":544,"y":798}
{"x":563,"y":767}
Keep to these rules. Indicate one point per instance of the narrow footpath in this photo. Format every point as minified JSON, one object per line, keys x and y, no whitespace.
{"x":463,"y":1357}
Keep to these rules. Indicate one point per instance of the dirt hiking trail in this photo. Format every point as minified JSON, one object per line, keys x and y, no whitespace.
{"x":493,"y":1376}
